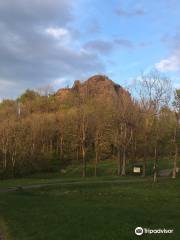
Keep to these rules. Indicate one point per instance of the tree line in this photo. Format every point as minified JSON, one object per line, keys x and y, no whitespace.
{"x":43,"y":132}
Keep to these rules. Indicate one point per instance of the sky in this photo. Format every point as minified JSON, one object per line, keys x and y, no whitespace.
{"x":54,"y":42}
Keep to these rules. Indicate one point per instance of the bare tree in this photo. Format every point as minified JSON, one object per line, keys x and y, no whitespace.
{"x":155,"y":92}
{"x":176,"y":139}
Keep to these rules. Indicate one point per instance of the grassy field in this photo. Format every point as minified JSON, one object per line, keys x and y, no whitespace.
{"x":109,"y":167}
{"x":105,"y":170}
{"x":106,"y":211}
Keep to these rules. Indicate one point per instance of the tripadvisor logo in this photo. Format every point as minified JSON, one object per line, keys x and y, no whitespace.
{"x":139,"y":231}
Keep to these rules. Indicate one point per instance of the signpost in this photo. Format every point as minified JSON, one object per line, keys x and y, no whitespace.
{"x":137,"y":169}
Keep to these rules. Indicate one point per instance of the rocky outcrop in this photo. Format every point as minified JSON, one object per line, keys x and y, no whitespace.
{"x":98,"y":86}
{"x":63,"y":93}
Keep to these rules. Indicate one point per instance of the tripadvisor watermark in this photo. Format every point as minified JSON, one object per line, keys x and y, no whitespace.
{"x":140,"y":231}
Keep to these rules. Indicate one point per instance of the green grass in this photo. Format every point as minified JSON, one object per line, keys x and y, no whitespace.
{"x":109,"y":167}
{"x":106,"y":211}
{"x":56,"y":179}
{"x":105,"y":170}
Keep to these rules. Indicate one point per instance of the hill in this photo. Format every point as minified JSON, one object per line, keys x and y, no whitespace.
{"x":98,"y":86}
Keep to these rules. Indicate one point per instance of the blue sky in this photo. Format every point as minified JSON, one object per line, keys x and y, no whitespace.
{"x":56,"y":42}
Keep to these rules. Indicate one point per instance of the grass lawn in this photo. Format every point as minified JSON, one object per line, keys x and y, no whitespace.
{"x":106,"y":211}
{"x":106,"y":170}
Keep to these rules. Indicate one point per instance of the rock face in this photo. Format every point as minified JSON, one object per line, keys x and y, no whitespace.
{"x":98,"y":86}
{"x":63,"y":93}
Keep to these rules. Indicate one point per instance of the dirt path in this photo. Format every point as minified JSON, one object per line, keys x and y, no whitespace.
{"x":36,"y":186}
{"x":1,"y":237}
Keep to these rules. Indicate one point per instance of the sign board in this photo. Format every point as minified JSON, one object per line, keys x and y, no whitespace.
{"x":136,"y":169}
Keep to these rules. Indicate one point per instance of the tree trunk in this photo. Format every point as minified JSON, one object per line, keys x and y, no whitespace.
{"x":96,"y":162}
{"x":119,"y":162}
{"x":175,"y":161}
{"x":144,"y":160}
{"x":84,"y":161}
{"x":77,"y":154}
{"x":155,"y":165}
{"x":5,"y":160}
{"x":144,"y":165}
{"x":123,"y":172}
{"x":51,"y":146}
{"x":134,"y":152}
{"x":61,"y":148}
{"x":13,"y":163}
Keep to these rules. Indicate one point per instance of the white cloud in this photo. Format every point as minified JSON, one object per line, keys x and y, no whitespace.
{"x":6,"y":83}
{"x":57,"y":32}
{"x":7,"y":88}
{"x":177,"y":85}
{"x":39,"y":45}
{"x":169,"y":64}
{"x":59,"y":82}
